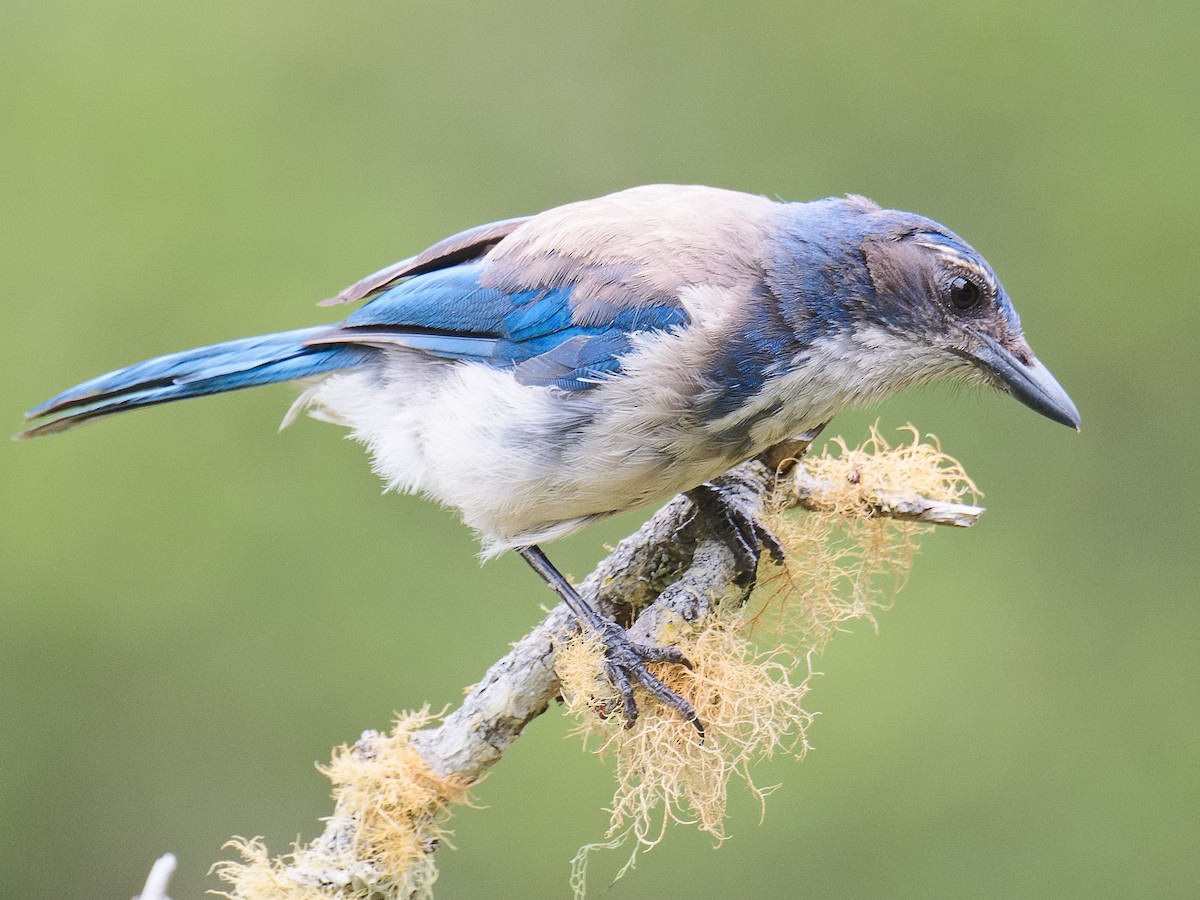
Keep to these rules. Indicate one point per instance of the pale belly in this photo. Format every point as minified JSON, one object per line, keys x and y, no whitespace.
{"x":522,"y":464}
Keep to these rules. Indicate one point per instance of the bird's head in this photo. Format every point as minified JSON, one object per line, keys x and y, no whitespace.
{"x":931,"y":293}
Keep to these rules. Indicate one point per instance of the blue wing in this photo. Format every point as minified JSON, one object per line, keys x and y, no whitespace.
{"x":549,"y":335}
{"x":560,"y":313}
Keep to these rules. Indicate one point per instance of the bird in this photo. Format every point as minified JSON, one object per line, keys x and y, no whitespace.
{"x":540,"y":373}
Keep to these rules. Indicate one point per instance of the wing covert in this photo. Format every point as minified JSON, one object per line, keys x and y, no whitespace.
{"x":458,"y":248}
{"x":544,"y":334}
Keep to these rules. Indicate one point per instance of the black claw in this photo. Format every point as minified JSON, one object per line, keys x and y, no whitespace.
{"x":778,"y":555}
{"x":669,"y":654}
{"x":620,"y":680}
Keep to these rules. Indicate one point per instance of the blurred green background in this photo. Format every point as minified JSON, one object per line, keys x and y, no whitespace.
{"x":194,"y":609}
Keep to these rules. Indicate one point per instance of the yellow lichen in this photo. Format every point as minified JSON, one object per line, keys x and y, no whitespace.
{"x":750,"y":706}
{"x":751,"y":664}
{"x":750,"y":676}
{"x":394,"y":809}
{"x":852,"y":476}
{"x":843,"y":561}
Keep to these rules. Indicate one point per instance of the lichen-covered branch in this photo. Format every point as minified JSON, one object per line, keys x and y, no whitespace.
{"x":656,"y":581}
{"x":805,"y":491}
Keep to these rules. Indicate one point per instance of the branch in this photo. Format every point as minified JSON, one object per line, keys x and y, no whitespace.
{"x":666,"y":574}
{"x":670,"y":567}
{"x":805,"y":491}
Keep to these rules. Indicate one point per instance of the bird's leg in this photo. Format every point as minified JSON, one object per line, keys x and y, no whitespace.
{"x":624,"y":660}
{"x":782,"y":457}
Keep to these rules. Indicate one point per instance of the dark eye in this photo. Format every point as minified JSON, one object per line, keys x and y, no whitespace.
{"x":964,"y":293}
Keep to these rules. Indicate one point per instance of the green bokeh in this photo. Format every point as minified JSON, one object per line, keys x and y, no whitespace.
{"x":194,"y":609}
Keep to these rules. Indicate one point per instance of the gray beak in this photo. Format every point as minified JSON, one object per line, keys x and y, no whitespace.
{"x":1032,"y":384}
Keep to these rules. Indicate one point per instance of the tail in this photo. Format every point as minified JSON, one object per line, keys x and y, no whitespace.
{"x":196,"y":373}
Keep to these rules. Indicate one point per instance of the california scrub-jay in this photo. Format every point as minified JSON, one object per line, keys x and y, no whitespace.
{"x":544,"y":372}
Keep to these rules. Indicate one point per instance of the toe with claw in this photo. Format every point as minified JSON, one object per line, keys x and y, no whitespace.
{"x":747,"y":536}
{"x":625,"y":664}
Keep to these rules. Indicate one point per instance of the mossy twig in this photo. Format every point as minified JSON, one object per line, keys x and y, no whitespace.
{"x":664,"y":582}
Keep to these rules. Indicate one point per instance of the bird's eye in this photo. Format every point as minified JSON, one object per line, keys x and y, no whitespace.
{"x":964,"y":293}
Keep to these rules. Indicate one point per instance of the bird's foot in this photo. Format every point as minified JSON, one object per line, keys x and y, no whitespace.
{"x":625,"y":665}
{"x":747,"y":536}
{"x":624,"y":659}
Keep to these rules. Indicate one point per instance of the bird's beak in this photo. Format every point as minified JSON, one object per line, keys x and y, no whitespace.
{"x":1030,"y":382}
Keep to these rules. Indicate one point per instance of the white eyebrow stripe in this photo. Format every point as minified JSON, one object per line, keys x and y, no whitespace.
{"x":951,"y":255}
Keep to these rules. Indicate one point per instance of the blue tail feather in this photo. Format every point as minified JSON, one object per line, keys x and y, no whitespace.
{"x":196,"y":373}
